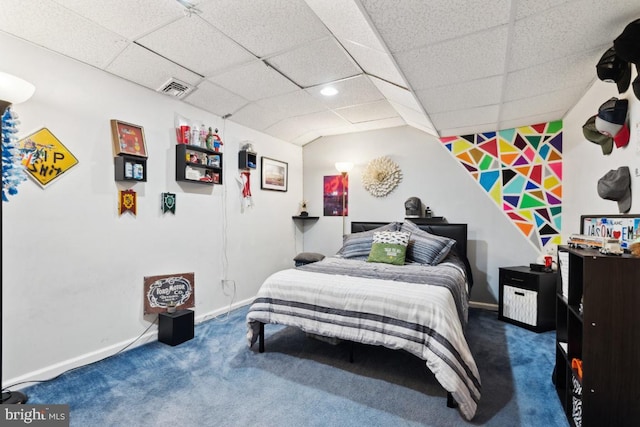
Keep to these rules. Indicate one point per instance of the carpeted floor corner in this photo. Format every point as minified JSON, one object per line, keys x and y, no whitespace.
{"x":216,"y":380}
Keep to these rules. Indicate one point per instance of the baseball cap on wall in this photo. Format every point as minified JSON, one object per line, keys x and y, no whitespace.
{"x":614,"y":111}
{"x":611,"y":120}
{"x":627,"y":44}
{"x":622,"y":137}
{"x":592,"y":134}
{"x":616,"y":185}
{"x":613,"y":69}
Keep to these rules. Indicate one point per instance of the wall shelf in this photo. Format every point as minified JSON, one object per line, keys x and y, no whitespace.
{"x":130,"y":168}
{"x":305,"y":218}
{"x":198,"y":165}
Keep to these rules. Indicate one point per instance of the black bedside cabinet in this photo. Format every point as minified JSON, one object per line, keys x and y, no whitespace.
{"x":528,"y":298}
{"x":175,"y":328}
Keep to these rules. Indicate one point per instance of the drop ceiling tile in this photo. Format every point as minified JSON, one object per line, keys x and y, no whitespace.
{"x":410,"y":24}
{"x":368,"y":112}
{"x":215,"y":99}
{"x":294,"y":127}
{"x":474,"y":93}
{"x":286,"y":130}
{"x":265,"y":27}
{"x":466,"y":58}
{"x":527,"y":8}
{"x":352,"y":91}
{"x":561,"y":100}
{"x":570,"y":71}
{"x":375,"y":63}
{"x":254,"y":81}
{"x":426,"y":129}
{"x":380,"y":124}
{"x":144,"y":67}
{"x":570,"y":29}
{"x":466,"y":130}
{"x":320,"y":120}
{"x":305,"y":138}
{"x":54,"y":27}
{"x":292,"y":104}
{"x":316,"y":63}
{"x":130,"y":19}
{"x":396,"y":94}
{"x":546,"y":117}
{"x":477,"y":116}
{"x":254,"y":116}
{"x":411,"y":115}
{"x":347,"y":22}
{"x":196,"y":45}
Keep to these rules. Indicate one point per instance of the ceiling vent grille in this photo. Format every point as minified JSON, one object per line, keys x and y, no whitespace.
{"x":176,"y":88}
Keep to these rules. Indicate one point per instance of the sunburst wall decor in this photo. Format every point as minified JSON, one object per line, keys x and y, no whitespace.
{"x":381,"y":176}
{"x":521,"y":171}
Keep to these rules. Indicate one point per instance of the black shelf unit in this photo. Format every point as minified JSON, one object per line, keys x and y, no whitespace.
{"x":130,"y":168}
{"x":598,"y":322}
{"x":247,"y":159}
{"x":203,"y":166}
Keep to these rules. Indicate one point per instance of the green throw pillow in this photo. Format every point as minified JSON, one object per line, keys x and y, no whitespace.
{"x":389,"y":247}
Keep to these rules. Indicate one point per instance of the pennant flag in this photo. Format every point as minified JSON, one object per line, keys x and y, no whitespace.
{"x":169,"y":203}
{"x":127,"y":202}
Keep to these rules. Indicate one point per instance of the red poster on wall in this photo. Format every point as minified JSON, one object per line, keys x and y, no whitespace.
{"x":336,"y":200}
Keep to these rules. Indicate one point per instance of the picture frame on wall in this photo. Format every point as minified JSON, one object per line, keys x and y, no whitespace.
{"x":128,"y":139}
{"x":274,"y":174}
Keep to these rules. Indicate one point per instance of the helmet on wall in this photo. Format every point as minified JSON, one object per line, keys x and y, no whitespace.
{"x":413,"y":207}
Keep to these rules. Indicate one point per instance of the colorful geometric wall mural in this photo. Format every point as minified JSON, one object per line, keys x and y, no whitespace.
{"x":521,"y":170}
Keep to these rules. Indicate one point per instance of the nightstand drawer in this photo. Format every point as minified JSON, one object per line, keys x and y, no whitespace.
{"x":519,"y":279}
{"x":520,"y":305}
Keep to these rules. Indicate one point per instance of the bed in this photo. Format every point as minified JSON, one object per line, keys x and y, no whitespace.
{"x":419,"y":306}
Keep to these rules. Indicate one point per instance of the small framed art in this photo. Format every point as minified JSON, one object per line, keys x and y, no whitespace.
{"x":128,"y":139}
{"x":274,"y":174}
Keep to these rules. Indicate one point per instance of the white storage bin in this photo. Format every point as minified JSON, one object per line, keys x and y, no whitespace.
{"x":520,"y":305}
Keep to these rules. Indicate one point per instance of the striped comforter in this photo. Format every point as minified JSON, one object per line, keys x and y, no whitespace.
{"x":420,"y":309}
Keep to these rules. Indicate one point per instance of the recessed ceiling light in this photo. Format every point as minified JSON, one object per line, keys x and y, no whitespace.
{"x":329,"y":91}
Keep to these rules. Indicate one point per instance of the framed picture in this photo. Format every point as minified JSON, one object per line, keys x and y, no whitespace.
{"x":128,"y":139}
{"x":274,"y":174}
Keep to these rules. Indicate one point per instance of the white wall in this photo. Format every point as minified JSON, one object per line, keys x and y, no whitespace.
{"x":431,"y":173}
{"x":73,"y":269}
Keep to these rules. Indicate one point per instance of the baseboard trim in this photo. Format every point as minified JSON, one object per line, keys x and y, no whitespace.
{"x":53,"y":371}
{"x":483,"y":305}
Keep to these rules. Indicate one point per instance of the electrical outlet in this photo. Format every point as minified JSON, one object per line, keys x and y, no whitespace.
{"x":638,"y":170}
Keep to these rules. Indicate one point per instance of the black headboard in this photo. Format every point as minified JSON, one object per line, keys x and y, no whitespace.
{"x":458,"y":232}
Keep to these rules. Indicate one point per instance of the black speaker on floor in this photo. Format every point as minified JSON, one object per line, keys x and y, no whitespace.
{"x":175,"y":328}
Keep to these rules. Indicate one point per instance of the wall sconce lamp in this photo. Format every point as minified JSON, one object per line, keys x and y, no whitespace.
{"x":344,"y":168}
{"x":13,"y":90}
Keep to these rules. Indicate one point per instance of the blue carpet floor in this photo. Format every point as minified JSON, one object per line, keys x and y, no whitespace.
{"x":216,"y":380}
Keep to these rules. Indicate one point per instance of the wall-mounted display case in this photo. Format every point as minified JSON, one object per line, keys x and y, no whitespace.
{"x":197,"y":164}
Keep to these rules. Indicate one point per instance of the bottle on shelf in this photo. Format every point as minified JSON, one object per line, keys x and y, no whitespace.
{"x":195,"y":135}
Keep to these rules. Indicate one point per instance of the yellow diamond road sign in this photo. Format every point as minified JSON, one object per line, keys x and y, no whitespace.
{"x":44,"y":157}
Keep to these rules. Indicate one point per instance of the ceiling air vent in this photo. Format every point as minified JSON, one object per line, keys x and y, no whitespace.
{"x":176,"y":88}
